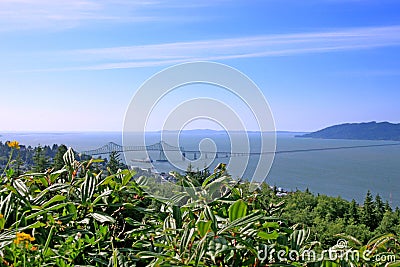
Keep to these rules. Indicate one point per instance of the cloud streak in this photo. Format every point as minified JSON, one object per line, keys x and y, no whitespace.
{"x":233,"y":48}
{"x":60,"y":15}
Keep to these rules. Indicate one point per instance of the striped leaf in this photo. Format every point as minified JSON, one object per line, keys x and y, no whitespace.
{"x":20,"y":186}
{"x":5,"y":206}
{"x":87,"y":188}
{"x":69,"y":157}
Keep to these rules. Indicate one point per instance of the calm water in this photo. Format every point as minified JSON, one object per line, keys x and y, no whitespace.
{"x":345,"y":172}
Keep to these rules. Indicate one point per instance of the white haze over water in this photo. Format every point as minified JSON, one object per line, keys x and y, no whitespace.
{"x":348,"y":173}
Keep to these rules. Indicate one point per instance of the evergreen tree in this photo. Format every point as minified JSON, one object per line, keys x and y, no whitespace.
{"x":387,"y":206}
{"x":353,"y":214}
{"x":54,"y":148}
{"x":379,"y":209}
{"x":58,"y":162}
{"x":29,"y":156}
{"x":114,"y":163}
{"x":40,"y":160}
{"x":368,"y":217}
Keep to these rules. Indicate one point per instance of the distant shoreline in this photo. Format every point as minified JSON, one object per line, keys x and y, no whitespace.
{"x":369,"y":131}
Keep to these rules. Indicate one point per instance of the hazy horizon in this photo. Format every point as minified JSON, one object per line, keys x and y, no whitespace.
{"x":182,"y":130}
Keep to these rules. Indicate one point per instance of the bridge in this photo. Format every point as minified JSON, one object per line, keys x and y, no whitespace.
{"x":160,"y":147}
{"x":163,"y":146}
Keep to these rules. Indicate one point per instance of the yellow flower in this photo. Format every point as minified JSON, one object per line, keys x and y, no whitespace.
{"x":22,"y":237}
{"x":1,"y":216}
{"x":13,"y":144}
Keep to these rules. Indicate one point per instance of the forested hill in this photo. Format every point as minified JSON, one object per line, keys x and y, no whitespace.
{"x":360,"y":131}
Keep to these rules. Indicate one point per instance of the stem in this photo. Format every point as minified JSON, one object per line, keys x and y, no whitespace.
{"x":96,"y":227}
{"x":8,"y":163}
{"x":113,"y":251}
{"x":46,"y":246}
{"x":16,"y":218}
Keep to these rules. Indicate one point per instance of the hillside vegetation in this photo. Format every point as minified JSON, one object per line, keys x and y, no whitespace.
{"x":76,"y":216}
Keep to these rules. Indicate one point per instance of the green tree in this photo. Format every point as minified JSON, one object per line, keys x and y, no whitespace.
{"x":114,"y":163}
{"x":387,"y":206}
{"x":368,"y":217}
{"x":353,"y":212}
{"x":58,"y":162}
{"x":41,"y":162}
{"x":379,"y":210}
{"x":359,"y":231}
{"x":389,"y":224}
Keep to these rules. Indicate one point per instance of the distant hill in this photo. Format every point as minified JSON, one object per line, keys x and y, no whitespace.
{"x":359,"y":131}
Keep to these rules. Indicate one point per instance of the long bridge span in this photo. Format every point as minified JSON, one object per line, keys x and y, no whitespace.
{"x":160,"y":147}
{"x":163,"y":146}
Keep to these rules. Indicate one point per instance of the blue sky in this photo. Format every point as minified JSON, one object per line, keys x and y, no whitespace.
{"x":75,"y":65}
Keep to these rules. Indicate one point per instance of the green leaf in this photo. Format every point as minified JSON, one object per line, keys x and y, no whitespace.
{"x":34,"y":225}
{"x":43,"y":180}
{"x":52,"y":188}
{"x":49,"y":237}
{"x":217,"y":184}
{"x":127,"y":177}
{"x":101,"y":217}
{"x":268,"y":236}
{"x":393,"y":264}
{"x":203,"y":227}
{"x":56,"y":198}
{"x":249,"y":219}
{"x":56,"y":174}
{"x":237,"y":210}
{"x":209,"y":215}
{"x":273,"y":225}
{"x":55,"y":207}
{"x":104,"y":194}
{"x":177,"y":215}
{"x":208,"y":179}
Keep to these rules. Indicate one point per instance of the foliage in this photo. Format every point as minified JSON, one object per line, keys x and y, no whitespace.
{"x":76,"y":216}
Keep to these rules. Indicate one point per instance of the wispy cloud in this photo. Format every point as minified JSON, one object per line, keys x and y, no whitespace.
{"x":56,"y":15}
{"x":233,"y":48}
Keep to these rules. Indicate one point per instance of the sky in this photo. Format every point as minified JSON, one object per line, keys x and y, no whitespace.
{"x":75,"y":65}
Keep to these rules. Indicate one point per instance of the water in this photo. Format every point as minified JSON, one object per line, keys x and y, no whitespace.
{"x":348,"y":173}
